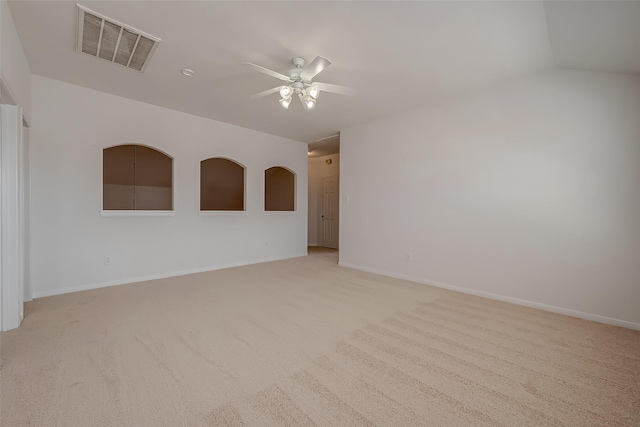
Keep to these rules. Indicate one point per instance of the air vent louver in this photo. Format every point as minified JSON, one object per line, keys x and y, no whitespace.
{"x":113,"y":41}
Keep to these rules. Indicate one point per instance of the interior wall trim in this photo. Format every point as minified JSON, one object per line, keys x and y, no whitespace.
{"x":526,"y":303}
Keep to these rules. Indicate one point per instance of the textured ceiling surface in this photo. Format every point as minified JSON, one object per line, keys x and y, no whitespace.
{"x":397,"y":55}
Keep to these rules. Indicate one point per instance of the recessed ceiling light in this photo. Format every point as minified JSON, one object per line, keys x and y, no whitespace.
{"x":187,"y":72}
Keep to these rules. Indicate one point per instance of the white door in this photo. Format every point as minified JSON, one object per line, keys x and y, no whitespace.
{"x":11,"y":255}
{"x":329,"y":213}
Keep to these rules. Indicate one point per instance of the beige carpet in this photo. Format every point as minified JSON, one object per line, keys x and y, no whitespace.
{"x":304,"y":342}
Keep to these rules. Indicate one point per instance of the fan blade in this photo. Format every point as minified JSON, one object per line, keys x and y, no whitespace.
{"x":341,"y":90}
{"x":268,"y":72}
{"x":266,"y":92}
{"x":315,"y":67}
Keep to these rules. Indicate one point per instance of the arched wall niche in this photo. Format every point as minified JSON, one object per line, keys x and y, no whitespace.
{"x":279,"y":189}
{"x":222,"y":185}
{"x":136,"y":177}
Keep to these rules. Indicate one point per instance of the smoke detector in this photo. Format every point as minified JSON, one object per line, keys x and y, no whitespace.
{"x":113,"y":41}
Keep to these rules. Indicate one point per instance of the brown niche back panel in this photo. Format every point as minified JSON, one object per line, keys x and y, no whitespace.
{"x":154,"y":176}
{"x":279,"y":189}
{"x":221,"y":185}
{"x":136,"y":178}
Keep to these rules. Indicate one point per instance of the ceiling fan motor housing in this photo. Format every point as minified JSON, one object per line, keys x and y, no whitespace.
{"x":298,"y":62}
{"x":294,"y":74}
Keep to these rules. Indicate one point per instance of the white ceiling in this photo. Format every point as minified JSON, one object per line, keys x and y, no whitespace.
{"x":398,"y":55}
{"x":595,"y":35}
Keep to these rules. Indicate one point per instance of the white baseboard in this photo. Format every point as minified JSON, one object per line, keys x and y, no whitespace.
{"x":52,"y":292}
{"x":517,"y":301}
{"x":312,"y":244}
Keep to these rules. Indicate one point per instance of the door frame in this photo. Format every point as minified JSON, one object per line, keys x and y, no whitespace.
{"x":12,"y":221}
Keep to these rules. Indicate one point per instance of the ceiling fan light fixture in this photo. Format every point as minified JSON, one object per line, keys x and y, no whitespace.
{"x":309,"y":102}
{"x":285,"y":102}
{"x":298,"y":82}
{"x":286,"y":92}
{"x":313,"y":92}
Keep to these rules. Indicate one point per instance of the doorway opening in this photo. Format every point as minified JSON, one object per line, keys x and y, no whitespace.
{"x":324,"y":193}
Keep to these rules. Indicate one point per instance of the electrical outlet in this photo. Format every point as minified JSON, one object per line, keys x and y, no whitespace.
{"x":409,"y":257}
{"x":107,"y":260}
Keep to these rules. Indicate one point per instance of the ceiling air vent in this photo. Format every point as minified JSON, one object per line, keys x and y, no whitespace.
{"x":113,"y":41}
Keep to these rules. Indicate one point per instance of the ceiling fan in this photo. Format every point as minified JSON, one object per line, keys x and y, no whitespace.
{"x":299,"y":82}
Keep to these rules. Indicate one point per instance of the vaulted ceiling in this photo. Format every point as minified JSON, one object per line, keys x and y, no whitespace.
{"x":397,"y":55}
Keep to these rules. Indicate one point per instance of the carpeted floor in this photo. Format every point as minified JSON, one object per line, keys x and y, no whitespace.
{"x":305,"y":342}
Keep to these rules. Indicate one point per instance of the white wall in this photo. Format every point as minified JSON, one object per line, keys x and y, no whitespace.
{"x":72,"y":125}
{"x":14,"y":68}
{"x":318,"y":169}
{"x":526,"y":192}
